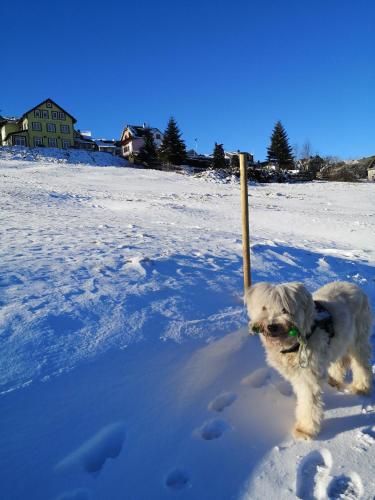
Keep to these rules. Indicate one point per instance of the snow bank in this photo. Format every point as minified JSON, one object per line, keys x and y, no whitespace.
{"x":57,"y":155}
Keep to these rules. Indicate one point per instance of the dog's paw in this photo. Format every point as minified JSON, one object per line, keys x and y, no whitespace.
{"x":359,"y":390}
{"x":299,"y":433}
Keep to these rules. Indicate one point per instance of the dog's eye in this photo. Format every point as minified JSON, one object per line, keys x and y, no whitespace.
{"x":264,"y":308}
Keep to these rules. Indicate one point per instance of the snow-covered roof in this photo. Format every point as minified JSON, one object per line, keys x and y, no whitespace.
{"x":84,"y":140}
{"x":139,"y":130}
{"x":8,"y":119}
{"x":105,"y":143}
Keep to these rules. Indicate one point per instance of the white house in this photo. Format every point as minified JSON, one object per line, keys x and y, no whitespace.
{"x":132,"y":139}
{"x":371,"y":174}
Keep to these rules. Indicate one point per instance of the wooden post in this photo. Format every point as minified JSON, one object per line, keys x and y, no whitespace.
{"x":245,"y":222}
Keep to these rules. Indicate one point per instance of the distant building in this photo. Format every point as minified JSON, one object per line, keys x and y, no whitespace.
{"x":46,"y":124}
{"x":371,"y":174}
{"x":250,"y":157}
{"x":109,"y":146}
{"x":83,"y":140}
{"x":132,"y":139}
{"x":198,"y":161}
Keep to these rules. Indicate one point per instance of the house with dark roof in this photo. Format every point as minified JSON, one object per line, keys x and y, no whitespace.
{"x":83,"y":140}
{"x":46,"y":124}
{"x":109,"y":146}
{"x":132,"y":139}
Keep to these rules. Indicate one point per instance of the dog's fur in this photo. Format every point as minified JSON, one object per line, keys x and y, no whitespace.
{"x":290,"y":304}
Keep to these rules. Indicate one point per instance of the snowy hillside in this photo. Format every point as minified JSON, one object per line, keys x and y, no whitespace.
{"x":56,"y":155}
{"x":126,"y":369}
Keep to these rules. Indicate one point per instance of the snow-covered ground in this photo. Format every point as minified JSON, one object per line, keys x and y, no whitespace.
{"x":57,"y":155}
{"x":126,"y":371}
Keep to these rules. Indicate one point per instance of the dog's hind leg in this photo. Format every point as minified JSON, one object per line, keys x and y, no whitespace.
{"x":337,"y":372}
{"x":361,"y":369}
{"x":309,"y":410}
{"x":360,"y":352}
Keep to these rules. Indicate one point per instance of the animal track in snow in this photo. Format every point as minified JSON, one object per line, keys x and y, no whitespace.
{"x":222,"y":401}
{"x":178,"y":479}
{"x":365,"y":439}
{"x":345,"y":487}
{"x":312,"y":475}
{"x":257,"y":378}
{"x":80,"y":494}
{"x":92,"y":455}
{"x":212,"y":429}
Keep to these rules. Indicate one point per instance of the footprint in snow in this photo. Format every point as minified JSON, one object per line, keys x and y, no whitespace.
{"x":92,"y":454}
{"x":365,"y":439}
{"x":345,"y":487}
{"x":257,"y":378}
{"x":313,"y":475}
{"x":212,"y":429}
{"x":178,"y":479}
{"x":79,"y":494}
{"x":222,"y":401}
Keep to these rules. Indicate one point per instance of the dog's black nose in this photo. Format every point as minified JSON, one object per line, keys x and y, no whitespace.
{"x":273,"y":328}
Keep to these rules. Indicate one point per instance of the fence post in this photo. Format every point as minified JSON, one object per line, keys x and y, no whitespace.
{"x":245,"y":222}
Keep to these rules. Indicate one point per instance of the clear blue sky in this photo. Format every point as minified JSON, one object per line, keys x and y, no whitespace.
{"x":225,"y":70}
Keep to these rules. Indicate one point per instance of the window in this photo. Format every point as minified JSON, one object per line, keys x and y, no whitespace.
{"x":52,"y":142}
{"x":65,"y":144}
{"x":64,"y":129}
{"x":157,"y":136}
{"x":54,"y":115}
{"x":19,"y":140}
{"x":45,"y":113}
{"x":61,"y":116}
{"x":36,"y":126}
{"x":38,"y":141}
{"x":37,"y":113}
{"x":51,"y":127}
{"x":49,"y":104}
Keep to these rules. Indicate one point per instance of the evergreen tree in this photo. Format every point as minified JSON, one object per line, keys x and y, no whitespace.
{"x":218,"y":157}
{"x":148,"y":154}
{"x":172,"y":150}
{"x":279,"y":149}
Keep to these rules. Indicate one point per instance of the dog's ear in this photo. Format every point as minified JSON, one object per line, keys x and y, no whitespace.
{"x":304,"y":301}
{"x":250,"y":293}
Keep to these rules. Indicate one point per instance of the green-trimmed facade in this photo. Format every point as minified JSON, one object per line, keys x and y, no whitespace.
{"x":47,"y":124}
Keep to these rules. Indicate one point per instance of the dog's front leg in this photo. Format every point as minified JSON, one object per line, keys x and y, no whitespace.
{"x":309,"y":410}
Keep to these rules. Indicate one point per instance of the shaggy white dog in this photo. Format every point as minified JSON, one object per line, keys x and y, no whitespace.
{"x":313,"y":338}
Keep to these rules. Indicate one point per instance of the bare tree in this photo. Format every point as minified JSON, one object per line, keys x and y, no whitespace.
{"x":306,"y":150}
{"x":295,"y":149}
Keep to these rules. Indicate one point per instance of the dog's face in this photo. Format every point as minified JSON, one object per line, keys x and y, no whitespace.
{"x":275,"y":309}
